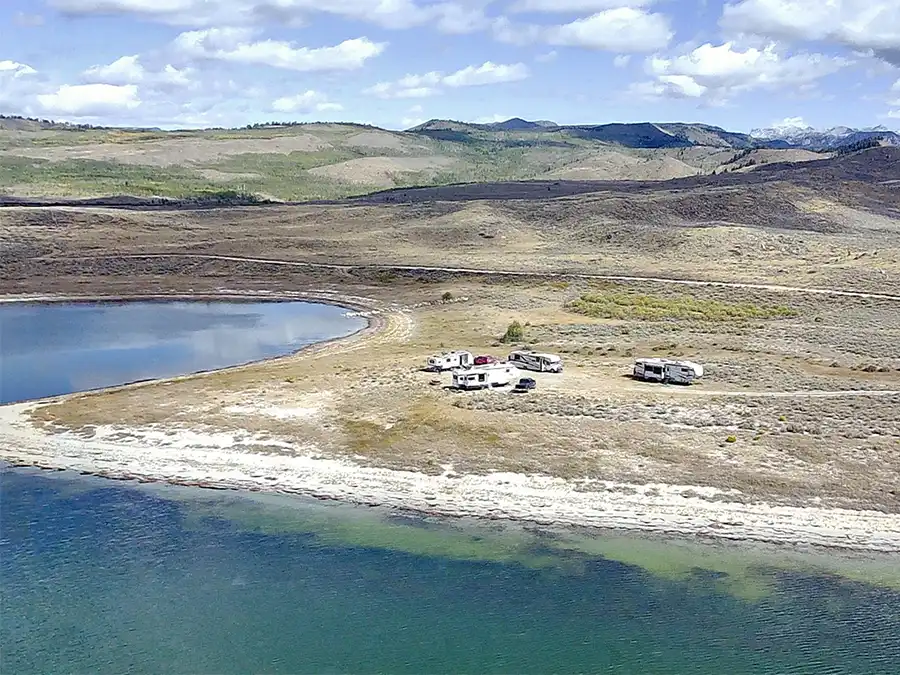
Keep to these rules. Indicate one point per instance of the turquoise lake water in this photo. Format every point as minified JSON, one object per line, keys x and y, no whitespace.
{"x":102,"y":576}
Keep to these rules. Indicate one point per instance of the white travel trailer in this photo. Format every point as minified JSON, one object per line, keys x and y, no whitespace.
{"x":666,"y":370}
{"x":449,"y":360}
{"x":530,"y":360}
{"x":482,"y":377}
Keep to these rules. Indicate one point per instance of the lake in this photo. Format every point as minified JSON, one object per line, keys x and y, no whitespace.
{"x":109,"y":577}
{"x":51,"y":349}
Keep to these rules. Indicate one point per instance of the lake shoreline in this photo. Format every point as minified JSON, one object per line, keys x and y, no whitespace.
{"x":222,"y":461}
{"x":363,"y":307}
{"x":182,"y":458}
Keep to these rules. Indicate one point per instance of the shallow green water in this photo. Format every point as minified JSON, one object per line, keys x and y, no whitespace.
{"x":100,"y":576}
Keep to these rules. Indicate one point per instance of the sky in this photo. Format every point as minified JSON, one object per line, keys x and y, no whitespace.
{"x":738,"y":64}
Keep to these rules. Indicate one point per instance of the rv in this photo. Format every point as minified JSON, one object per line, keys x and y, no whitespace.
{"x":482,"y":377}
{"x":449,"y":361}
{"x":666,"y":370}
{"x":528,"y":360}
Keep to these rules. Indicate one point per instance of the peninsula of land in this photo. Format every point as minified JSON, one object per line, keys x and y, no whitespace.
{"x":785,"y":284}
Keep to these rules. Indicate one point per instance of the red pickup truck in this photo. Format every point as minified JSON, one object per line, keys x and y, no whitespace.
{"x":484,"y":359}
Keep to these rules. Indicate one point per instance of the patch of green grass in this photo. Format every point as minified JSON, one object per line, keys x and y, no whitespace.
{"x":91,"y":177}
{"x":282,"y":177}
{"x":625,"y":305}
{"x":287,"y":176}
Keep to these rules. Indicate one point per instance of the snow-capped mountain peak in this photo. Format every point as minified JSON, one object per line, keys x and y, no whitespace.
{"x":795,"y":132}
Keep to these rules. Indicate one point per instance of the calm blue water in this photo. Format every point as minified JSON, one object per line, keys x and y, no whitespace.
{"x":106,"y":577}
{"x":52,"y":349}
{"x":100,"y":577}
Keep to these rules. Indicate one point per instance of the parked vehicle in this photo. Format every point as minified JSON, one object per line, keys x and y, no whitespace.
{"x":449,"y":361}
{"x":531,"y":360}
{"x":525,"y":384}
{"x":667,"y":371}
{"x":483,"y":377}
{"x":485,"y":359}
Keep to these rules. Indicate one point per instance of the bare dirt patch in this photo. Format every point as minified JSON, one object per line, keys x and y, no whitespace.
{"x":382,"y":140}
{"x":611,"y":165}
{"x":177,"y":151}
{"x":381,"y":171}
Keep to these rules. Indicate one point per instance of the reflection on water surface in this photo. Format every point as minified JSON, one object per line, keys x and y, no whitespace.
{"x":52,"y":349}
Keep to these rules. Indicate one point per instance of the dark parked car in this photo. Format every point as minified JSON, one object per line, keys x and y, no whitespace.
{"x":525,"y":384}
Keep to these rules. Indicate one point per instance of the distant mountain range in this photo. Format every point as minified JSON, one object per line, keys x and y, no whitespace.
{"x":825,"y":139}
{"x":671,"y":134}
{"x":647,"y":135}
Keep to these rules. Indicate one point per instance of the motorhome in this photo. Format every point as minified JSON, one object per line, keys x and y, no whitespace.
{"x":530,"y":360}
{"x":482,"y":377}
{"x":449,"y":360}
{"x":666,"y":370}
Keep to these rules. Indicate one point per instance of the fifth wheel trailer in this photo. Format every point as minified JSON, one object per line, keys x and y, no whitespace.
{"x":449,"y":360}
{"x":483,"y":377}
{"x":666,"y":370}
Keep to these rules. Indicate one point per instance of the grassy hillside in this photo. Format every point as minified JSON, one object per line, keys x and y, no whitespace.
{"x":329,"y":161}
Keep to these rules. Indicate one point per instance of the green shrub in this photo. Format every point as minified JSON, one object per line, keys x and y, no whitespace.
{"x":731,"y":439}
{"x":626,"y":305}
{"x":514,"y":333}
{"x":447,"y":296}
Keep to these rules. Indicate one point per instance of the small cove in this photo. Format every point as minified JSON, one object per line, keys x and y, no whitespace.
{"x":60,"y":348}
{"x":100,"y":576}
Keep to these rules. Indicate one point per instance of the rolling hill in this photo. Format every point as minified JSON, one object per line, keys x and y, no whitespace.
{"x":325,"y":161}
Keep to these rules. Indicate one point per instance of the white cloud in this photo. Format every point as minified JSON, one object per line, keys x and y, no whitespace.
{"x":868,"y":25}
{"x":790,"y":123}
{"x":619,"y":30}
{"x":410,"y":86}
{"x":718,"y":73}
{"x":124,"y":70}
{"x":307,"y":102}
{"x":130,"y":70}
{"x":622,"y":60}
{"x":574,"y":6}
{"x":235,"y":45}
{"x":546,"y":57}
{"x":429,"y":84}
{"x":486,"y":73}
{"x":896,"y":86}
{"x":87,"y":100}
{"x":491,"y":119}
{"x":18,"y":83}
{"x":454,"y":19}
{"x":14,"y":69}
{"x":449,"y":17}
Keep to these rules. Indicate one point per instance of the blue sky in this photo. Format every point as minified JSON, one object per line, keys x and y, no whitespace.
{"x":739,"y":64}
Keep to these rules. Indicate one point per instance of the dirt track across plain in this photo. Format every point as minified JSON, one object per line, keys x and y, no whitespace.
{"x":514,"y":273}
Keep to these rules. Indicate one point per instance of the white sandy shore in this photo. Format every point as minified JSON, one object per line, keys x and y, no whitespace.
{"x":239,"y":461}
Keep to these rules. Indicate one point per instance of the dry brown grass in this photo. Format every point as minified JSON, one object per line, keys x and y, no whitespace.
{"x":592,"y":422}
